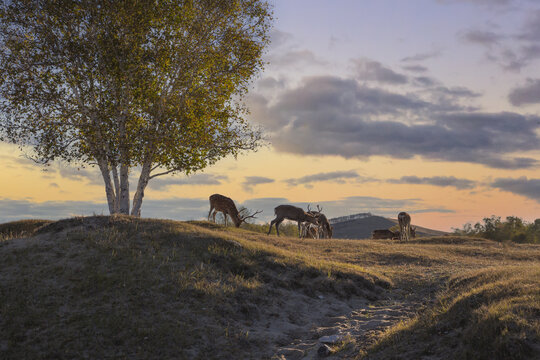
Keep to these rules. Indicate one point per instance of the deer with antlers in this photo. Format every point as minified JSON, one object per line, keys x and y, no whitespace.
{"x":325,"y":231}
{"x":225,"y":205}
{"x":405,"y":229}
{"x":291,"y":212}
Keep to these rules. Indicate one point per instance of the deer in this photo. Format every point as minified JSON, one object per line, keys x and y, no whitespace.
{"x":405,"y":229}
{"x":384,"y":234}
{"x":291,"y":212}
{"x":325,"y":230}
{"x":310,"y":231}
{"x":225,"y":205}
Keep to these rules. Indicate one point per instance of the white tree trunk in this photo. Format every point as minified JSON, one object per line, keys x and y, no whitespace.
{"x":116,"y":187}
{"x":124,"y":189}
{"x":109,"y":190}
{"x":139,"y":194}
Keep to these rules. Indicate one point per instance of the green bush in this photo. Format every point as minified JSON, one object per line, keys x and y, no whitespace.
{"x":513,"y":229}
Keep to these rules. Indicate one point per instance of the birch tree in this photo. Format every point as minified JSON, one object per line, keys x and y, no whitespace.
{"x":156,"y":86}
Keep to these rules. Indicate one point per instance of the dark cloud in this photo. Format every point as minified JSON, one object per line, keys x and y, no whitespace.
{"x":526,"y":94}
{"x":529,"y":188}
{"x":339,"y":177}
{"x":421,"y":56}
{"x":435,"y":180}
{"x":531,"y":28}
{"x":375,"y":71}
{"x":481,"y":37}
{"x":425,"y":81}
{"x":346,"y":119}
{"x":512,"y":53}
{"x":90,"y":175}
{"x":270,"y":83}
{"x":162,"y":184}
{"x":416,"y":68}
{"x":251,"y":181}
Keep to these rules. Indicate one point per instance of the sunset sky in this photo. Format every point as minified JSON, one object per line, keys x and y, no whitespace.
{"x":425,"y":106}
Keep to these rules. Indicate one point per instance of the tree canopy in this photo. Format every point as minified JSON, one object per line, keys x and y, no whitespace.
{"x":153,"y":85}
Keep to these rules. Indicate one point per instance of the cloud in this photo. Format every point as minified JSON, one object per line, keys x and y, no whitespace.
{"x":162,"y":184}
{"x":251,"y":181}
{"x":270,"y":83}
{"x":90,"y":175}
{"x":339,"y":177}
{"x":375,"y":71}
{"x":531,"y":28}
{"x":529,"y":188}
{"x":353,"y":121}
{"x":481,"y":37}
{"x":436,"y":181}
{"x":425,"y":81}
{"x":421,"y":56}
{"x":346,"y":206}
{"x":173,"y":208}
{"x":510,"y":52}
{"x":294,"y":58}
{"x":197,"y":208}
{"x":526,"y":94}
{"x":416,"y":68}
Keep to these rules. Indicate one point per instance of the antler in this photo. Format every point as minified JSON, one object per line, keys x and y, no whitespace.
{"x":319,"y":209}
{"x":308,"y":209}
{"x":251,"y":216}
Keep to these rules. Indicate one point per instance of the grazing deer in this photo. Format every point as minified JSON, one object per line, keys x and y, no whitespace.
{"x":225,"y":205}
{"x":325,"y":230}
{"x":290,"y":212}
{"x":405,"y":230}
{"x":310,"y":231}
{"x":384,"y":234}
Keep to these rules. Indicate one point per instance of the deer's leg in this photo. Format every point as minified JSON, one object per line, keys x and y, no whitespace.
{"x":210,"y":212}
{"x":225,"y":216}
{"x":270,"y":228}
{"x":214,"y":216}
{"x":277,"y":226}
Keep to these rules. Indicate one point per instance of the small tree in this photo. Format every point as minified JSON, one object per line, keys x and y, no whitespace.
{"x":156,"y":85}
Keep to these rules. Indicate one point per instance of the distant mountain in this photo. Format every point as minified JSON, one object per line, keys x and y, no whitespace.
{"x":360,"y":226}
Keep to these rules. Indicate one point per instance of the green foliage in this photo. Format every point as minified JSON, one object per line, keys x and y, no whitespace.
{"x":513,"y":229}
{"x":156,"y":84}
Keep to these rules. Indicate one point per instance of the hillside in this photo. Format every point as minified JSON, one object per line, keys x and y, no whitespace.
{"x":122,"y":287}
{"x":361,"y":228}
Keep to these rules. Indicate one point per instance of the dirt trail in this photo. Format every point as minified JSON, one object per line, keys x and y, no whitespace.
{"x":362,"y":325}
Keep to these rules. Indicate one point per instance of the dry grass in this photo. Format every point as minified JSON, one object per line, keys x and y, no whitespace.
{"x":21,"y":228}
{"x":121,"y":287}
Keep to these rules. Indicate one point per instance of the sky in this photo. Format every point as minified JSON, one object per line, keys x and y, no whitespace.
{"x":425,"y":106}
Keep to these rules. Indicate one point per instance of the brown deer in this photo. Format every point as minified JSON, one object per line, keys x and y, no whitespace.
{"x":325,"y":230}
{"x":384,"y":234}
{"x":225,"y":205}
{"x":405,"y":229}
{"x":290,"y":212}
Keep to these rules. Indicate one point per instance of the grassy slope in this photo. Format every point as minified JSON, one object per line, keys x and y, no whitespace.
{"x":136,"y":288}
